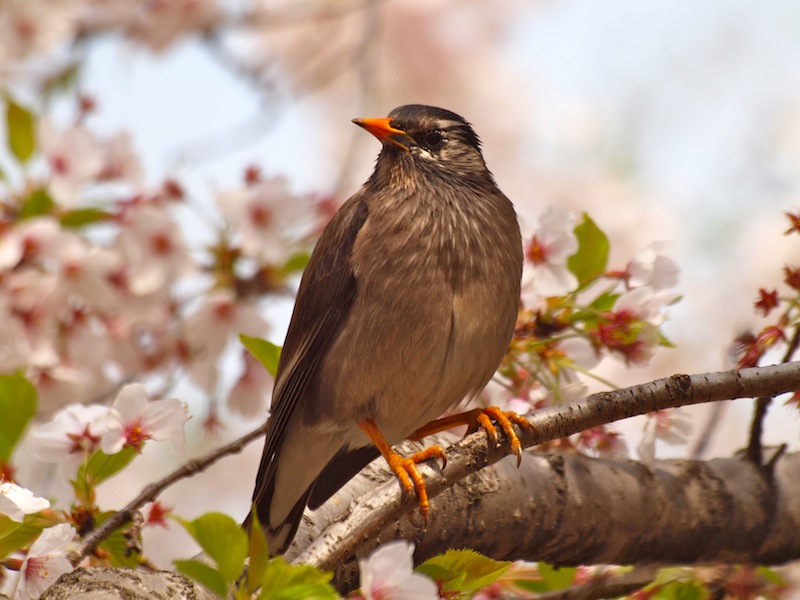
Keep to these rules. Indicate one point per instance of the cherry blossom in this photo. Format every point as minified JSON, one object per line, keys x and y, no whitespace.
{"x":158,"y":23}
{"x":73,"y":434}
{"x":546,"y":274}
{"x":388,"y":574}
{"x":250,"y":394}
{"x":16,"y":501}
{"x":46,"y":561}
{"x":74,"y":156}
{"x":652,"y":267}
{"x":209,"y":329}
{"x":120,"y":161}
{"x":672,"y":426}
{"x":134,"y":419}
{"x":270,"y":218}
{"x":29,"y":27}
{"x":154,"y":250}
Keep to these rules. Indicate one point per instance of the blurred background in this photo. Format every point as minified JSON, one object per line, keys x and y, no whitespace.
{"x":675,"y":121}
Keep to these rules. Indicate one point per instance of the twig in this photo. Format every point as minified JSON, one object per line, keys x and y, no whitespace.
{"x":754,"y":445}
{"x":152,"y":491}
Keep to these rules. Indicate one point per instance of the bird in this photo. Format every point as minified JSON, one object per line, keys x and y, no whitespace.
{"x":406,"y":308}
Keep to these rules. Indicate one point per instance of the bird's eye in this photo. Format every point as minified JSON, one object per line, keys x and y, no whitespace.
{"x":434,"y":140}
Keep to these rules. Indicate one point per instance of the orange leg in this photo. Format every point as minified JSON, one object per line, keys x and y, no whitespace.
{"x":480,"y":417}
{"x":405,"y":468}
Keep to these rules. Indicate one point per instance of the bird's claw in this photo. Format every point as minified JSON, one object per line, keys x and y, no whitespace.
{"x":410,"y":478}
{"x":506,"y":421}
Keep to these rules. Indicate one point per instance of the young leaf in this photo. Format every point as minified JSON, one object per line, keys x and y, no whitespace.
{"x":84,"y":216}
{"x":557,"y":578}
{"x":203,"y":574}
{"x":591,"y":258}
{"x":18,"y":402}
{"x":266,"y":352}
{"x":296,"y":263}
{"x":681,"y":590}
{"x":222,"y":540}
{"x":14,"y":536}
{"x":463,"y":571}
{"x":36,"y":204}
{"x":20,"y":127}
{"x":117,"y":547}
{"x":102,"y":466}
{"x":283,"y":581}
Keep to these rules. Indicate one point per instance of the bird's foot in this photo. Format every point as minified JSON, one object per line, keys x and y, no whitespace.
{"x":481,"y":418}
{"x":505,"y":419}
{"x":405,"y":468}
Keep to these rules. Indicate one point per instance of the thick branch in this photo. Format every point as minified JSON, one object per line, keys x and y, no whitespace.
{"x":379,"y":510}
{"x":569,"y":509}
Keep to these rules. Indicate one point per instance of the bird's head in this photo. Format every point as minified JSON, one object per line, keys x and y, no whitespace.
{"x":429,"y":139}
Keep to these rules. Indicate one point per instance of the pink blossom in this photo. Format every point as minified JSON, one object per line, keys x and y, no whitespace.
{"x":671,"y":426}
{"x":388,"y":574}
{"x":159,"y":23}
{"x":652,"y":267}
{"x":120,"y":161}
{"x":16,"y":501}
{"x":134,"y":419}
{"x":74,"y":156}
{"x":46,"y":561}
{"x":546,"y":273}
{"x":209,"y":329}
{"x":73,"y":434}
{"x":154,"y":250}
{"x":30,"y":27}
{"x":250,"y":394}
{"x":270,"y":218}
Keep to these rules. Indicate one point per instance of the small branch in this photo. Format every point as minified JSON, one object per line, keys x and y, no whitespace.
{"x":152,"y":491}
{"x":754,"y":445}
{"x":371,"y":514}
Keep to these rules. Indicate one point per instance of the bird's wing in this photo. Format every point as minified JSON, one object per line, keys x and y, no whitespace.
{"x":324,"y":299}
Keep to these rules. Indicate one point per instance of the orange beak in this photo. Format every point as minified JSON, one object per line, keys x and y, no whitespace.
{"x":382,"y":129}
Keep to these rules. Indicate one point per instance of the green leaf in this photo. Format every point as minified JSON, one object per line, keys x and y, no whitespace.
{"x":203,"y":574}
{"x":591,"y":258}
{"x":283,"y":581}
{"x":681,"y":590}
{"x":297,"y":263}
{"x":258,"y":553}
{"x":21,"y":130}
{"x":37,"y":204}
{"x":770,"y":576}
{"x":117,"y":547}
{"x":14,"y":536}
{"x":18,"y":403}
{"x":557,"y":578}
{"x":102,"y":466}
{"x":223,"y":540}
{"x":266,"y":352}
{"x":604,"y":302}
{"x":84,"y":216}
{"x":463,"y":571}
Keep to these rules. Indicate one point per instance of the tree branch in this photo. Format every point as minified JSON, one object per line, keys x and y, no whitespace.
{"x":370,"y":516}
{"x":152,"y":491}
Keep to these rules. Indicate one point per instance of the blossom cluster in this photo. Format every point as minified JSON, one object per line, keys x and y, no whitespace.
{"x":97,"y":293}
{"x":77,"y":436}
{"x":576,"y":311}
{"x":780,"y":309}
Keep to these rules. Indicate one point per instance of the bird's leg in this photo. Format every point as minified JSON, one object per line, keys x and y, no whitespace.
{"x":480,"y":417}
{"x":405,"y":468}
